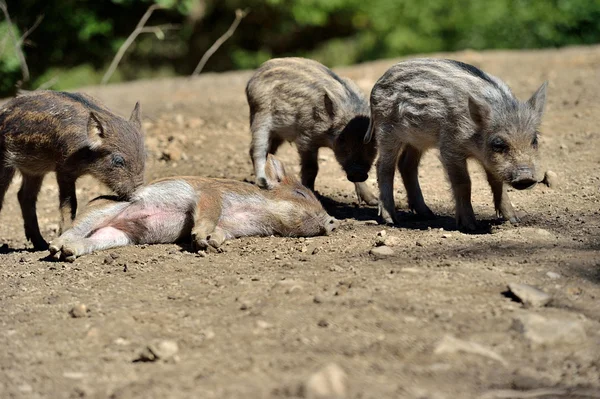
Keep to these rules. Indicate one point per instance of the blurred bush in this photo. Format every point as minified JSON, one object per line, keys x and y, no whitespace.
{"x":78,"y":38}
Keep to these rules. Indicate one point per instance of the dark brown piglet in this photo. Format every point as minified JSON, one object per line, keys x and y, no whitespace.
{"x":73,"y":135}
{"x":209,"y":211}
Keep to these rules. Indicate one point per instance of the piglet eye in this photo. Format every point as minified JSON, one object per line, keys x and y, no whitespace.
{"x":118,"y":161}
{"x":301,"y":194}
{"x":499,"y":145}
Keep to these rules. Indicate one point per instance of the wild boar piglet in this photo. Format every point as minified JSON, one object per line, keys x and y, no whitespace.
{"x":71,"y":134}
{"x":463,"y":111}
{"x":302,"y":101}
{"x":209,"y":211}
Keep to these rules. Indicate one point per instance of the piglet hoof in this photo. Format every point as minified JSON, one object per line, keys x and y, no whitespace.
{"x":467,"y":226}
{"x":262,"y":182}
{"x":199,"y":244}
{"x":514,"y":220}
{"x":216,"y":238}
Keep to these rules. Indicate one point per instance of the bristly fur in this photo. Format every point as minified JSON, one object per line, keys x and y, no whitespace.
{"x":302,"y":101}
{"x":71,"y":134}
{"x":463,"y":111}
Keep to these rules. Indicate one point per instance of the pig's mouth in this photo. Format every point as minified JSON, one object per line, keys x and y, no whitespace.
{"x":357,"y":177}
{"x":523,"y":184}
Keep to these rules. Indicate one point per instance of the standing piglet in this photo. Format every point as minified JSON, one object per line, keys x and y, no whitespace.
{"x":209,"y":210}
{"x":302,"y":101}
{"x":73,"y":135}
{"x":463,"y":111}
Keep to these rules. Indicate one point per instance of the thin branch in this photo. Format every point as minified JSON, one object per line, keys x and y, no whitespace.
{"x":140,"y":28}
{"x":239,"y":15}
{"x":19,"y":51}
{"x":48,"y":84}
{"x":30,"y":30}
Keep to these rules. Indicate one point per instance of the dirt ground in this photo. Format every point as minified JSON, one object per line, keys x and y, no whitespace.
{"x":433,"y":320}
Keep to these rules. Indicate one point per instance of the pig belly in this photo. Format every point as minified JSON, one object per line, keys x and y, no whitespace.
{"x":153,"y":224}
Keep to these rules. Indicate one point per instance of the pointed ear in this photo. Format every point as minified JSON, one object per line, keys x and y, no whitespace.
{"x":136,"y":116}
{"x":479,"y":112}
{"x":329,"y":107}
{"x":538,"y":99}
{"x":275,"y":171}
{"x":95,"y":131}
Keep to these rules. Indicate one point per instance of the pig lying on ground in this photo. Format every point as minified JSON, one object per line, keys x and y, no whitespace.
{"x":209,"y":210}
{"x":302,"y":101}
{"x":425,"y":103}
{"x":73,"y":135}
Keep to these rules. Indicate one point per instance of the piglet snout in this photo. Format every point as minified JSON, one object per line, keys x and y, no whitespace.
{"x":331,"y":224}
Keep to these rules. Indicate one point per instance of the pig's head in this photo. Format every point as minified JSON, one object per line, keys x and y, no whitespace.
{"x":296,"y":210}
{"x":510,"y":137}
{"x":355,"y":156}
{"x":119,"y":153}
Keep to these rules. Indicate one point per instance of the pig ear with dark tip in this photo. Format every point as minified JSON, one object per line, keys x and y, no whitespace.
{"x":95,"y":131}
{"x":329,"y":106}
{"x":275,"y":171}
{"x":538,"y":99}
{"x":479,"y":111}
{"x":136,"y":116}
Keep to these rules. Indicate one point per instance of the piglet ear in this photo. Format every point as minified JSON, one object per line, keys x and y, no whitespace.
{"x":479,"y":111}
{"x":136,"y":116}
{"x":538,"y":100}
{"x":95,"y":131}
{"x":329,"y":106}
{"x":275,"y":172}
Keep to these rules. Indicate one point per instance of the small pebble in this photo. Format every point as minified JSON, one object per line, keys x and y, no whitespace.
{"x":553,"y":276}
{"x":79,"y":310}
{"x":529,"y":296}
{"x":108,"y":260}
{"x":550,"y":179}
{"x":323,"y":323}
{"x":328,"y":383}
{"x":318,"y":299}
{"x":382,"y":252}
{"x":163,"y":350}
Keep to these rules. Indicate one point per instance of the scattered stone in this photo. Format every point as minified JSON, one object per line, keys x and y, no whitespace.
{"x":315,"y":251}
{"x":73,"y":375}
{"x":541,"y":331}
{"x":323,"y":323}
{"x":287,"y":287}
{"x":553,"y":276}
{"x":318,"y":299}
{"x":265,"y":325}
{"x":419,"y":244}
{"x":451,"y":345}
{"x":447,"y":235}
{"x":108,"y":260}
{"x":382,"y":234}
{"x":382,"y":252}
{"x":328,"y":383}
{"x":550,"y":179}
{"x":528,"y":295}
{"x":162,"y":350}
{"x":79,"y":310}
{"x":543,"y":233}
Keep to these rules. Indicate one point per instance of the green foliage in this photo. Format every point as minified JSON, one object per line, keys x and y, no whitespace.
{"x":78,"y":38}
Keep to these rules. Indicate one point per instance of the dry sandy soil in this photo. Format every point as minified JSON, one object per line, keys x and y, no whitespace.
{"x":433,"y":320}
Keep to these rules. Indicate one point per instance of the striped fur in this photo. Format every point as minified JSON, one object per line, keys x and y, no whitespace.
{"x":302,"y":101}
{"x":463,"y":111}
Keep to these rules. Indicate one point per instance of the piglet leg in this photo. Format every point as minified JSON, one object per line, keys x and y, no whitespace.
{"x":104,"y":238}
{"x":96,"y":215}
